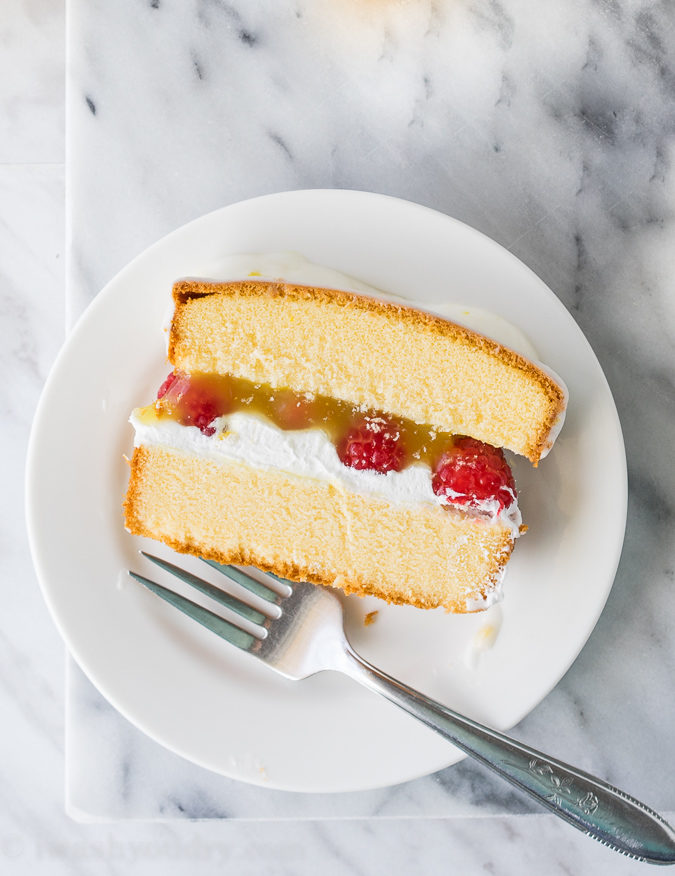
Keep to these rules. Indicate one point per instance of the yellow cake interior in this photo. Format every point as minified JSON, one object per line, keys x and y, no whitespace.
{"x":306,"y":529}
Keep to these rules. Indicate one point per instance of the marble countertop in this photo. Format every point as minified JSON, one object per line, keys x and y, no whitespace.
{"x":552,"y":130}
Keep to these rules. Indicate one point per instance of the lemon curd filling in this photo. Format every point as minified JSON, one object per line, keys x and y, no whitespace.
{"x":199,"y":399}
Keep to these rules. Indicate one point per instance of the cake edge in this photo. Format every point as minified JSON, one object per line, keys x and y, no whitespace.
{"x":185,"y":290}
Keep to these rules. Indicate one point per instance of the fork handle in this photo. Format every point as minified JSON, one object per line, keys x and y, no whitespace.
{"x":589,"y":804}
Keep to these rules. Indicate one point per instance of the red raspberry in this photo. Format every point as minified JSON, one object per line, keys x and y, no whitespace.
{"x":196,"y":399}
{"x":197,"y":409}
{"x":472,"y":472}
{"x":373,"y":443}
{"x":166,"y":386}
{"x":173,"y":388}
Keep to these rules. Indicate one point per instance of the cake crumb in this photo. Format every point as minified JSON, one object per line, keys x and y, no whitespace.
{"x":370,"y":618}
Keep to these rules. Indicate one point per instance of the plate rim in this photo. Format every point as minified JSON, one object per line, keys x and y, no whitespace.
{"x":100,"y":300}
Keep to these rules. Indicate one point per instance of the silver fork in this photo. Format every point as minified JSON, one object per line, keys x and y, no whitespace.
{"x":298,"y":631}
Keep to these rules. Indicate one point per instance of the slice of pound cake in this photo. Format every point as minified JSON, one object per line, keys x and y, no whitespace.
{"x":331,"y":437}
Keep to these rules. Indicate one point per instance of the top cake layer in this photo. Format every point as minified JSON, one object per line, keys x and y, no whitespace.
{"x":371,"y":353}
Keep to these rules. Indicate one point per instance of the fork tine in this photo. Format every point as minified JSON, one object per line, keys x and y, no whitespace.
{"x":231,"y":602}
{"x":250,"y":583}
{"x":218,"y":625}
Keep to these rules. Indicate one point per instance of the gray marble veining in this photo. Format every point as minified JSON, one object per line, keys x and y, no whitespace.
{"x":550,"y":128}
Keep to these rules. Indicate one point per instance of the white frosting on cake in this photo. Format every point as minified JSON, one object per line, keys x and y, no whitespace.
{"x":484,"y":638}
{"x":492,"y":597}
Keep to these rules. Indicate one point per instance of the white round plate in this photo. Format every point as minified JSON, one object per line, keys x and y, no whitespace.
{"x":222,"y":709}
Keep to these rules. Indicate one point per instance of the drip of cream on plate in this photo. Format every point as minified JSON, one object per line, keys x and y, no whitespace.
{"x":485,"y":636}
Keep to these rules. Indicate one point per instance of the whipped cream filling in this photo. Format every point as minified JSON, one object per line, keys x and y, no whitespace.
{"x":306,"y":453}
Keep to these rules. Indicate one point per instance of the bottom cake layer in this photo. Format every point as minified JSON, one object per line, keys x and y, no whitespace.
{"x":309,"y":530}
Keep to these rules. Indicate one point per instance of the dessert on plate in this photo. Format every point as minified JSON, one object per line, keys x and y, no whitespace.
{"x":328,"y":436}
